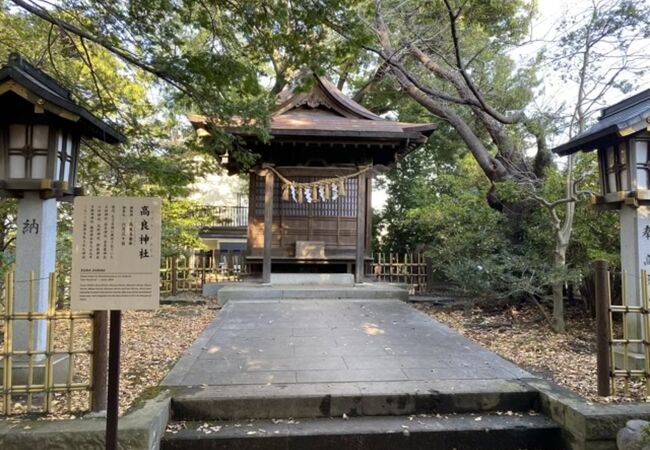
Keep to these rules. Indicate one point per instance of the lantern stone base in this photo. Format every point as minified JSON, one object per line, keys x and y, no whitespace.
{"x":35,"y":261}
{"x":635,"y":258}
{"x":20,"y":370}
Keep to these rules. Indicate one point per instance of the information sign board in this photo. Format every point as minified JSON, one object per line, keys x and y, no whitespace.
{"x":116,"y":253}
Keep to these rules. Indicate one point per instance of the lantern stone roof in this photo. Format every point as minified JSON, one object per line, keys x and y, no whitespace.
{"x":624,"y":118}
{"x":35,"y":86}
{"x":325,"y":114}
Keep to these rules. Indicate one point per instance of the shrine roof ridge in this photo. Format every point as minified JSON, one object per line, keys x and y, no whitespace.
{"x":323,"y":111}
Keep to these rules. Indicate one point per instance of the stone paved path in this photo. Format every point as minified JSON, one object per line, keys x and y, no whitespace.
{"x":332,"y":341}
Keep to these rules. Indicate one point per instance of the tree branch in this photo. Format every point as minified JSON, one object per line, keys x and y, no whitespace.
{"x":121,"y":53}
{"x":518,"y":117}
{"x":379,"y":74}
{"x":493,"y":168}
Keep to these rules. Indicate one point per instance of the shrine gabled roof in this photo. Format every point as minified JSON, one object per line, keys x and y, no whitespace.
{"x":37,"y":87}
{"x":325,"y":112}
{"x":621,"y":119}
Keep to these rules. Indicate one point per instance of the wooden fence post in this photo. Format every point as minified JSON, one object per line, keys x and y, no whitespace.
{"x":602,"y":299}
{"x":202,"y":270}
{"x":174,"y":276}
{"x":100,"y":360}
{"x":428,"y":260}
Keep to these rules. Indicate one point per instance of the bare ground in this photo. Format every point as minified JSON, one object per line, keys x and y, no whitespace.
{"x":521,"y":334}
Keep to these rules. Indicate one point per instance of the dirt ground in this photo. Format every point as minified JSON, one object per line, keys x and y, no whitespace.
{"x":522,"y":335}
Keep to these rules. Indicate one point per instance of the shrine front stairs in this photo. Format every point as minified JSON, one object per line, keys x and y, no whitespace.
{"x":324,"y":289}
{"x":317,"y":286}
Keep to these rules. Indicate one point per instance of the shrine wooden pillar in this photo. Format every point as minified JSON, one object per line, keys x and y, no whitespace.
{"x":268,"y":224}
{"x":361,"y":229}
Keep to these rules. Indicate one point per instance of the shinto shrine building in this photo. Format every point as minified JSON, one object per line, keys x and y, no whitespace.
{"x":310,"y":189}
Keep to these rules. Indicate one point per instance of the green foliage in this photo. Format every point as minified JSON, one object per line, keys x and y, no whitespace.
{"x":144,"y":63}
{"x":478,"y":248}
{"x":461,"y":232}
{"x":209,"y":57}
{"x":180,"y":227}
{"x":438,"y":201}
{"x":645,"y":433}
{"x":156,"y":160}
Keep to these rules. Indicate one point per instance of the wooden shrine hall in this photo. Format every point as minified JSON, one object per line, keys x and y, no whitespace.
{"x":310,"y":190}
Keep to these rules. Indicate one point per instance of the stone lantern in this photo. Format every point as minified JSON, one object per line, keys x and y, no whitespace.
{"x":40,"y":131}
{"x":622,"y":139}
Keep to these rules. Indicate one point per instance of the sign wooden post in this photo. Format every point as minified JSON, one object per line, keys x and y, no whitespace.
{"x":100,"y":363}
{"x":113,"y":400}
{"x":115,"y":267}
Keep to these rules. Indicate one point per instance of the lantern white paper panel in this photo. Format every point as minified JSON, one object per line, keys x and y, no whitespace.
{"x":642,"y":179}
{"x":40,"y":136}
{"x":39,"y":166}
{"x":611,"y":173}
{"x":641,"y":153}
{"x":623,"y":161}
{"x":59,"y":156}
{"x":17,"y":136}
{"x":16,"y":166}
{"x":68,"y":158}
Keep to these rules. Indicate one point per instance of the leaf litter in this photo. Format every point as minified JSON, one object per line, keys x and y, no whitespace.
{"x":521,"y":335}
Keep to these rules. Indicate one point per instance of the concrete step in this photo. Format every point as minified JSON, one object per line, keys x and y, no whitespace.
{"x":353,"y":399}
{"x":443,"y":432}
{"x":363,"y":291}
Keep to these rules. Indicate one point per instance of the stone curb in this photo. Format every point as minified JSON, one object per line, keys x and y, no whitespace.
{"x":141,"y":429}
{"x":585,"y":426}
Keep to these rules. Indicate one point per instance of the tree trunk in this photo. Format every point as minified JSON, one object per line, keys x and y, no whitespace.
{"x":562,"y":239}
{"x":557,"y":321}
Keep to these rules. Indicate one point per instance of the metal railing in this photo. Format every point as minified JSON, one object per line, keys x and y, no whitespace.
{"x":223,"y":216}
{"x":43,"y":386}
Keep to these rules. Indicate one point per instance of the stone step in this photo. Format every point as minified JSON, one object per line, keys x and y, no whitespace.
{"x":443,"y":432}
{"x":272,"y":401}
{"x":364,"y":291}
{"x":336,"y":279}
